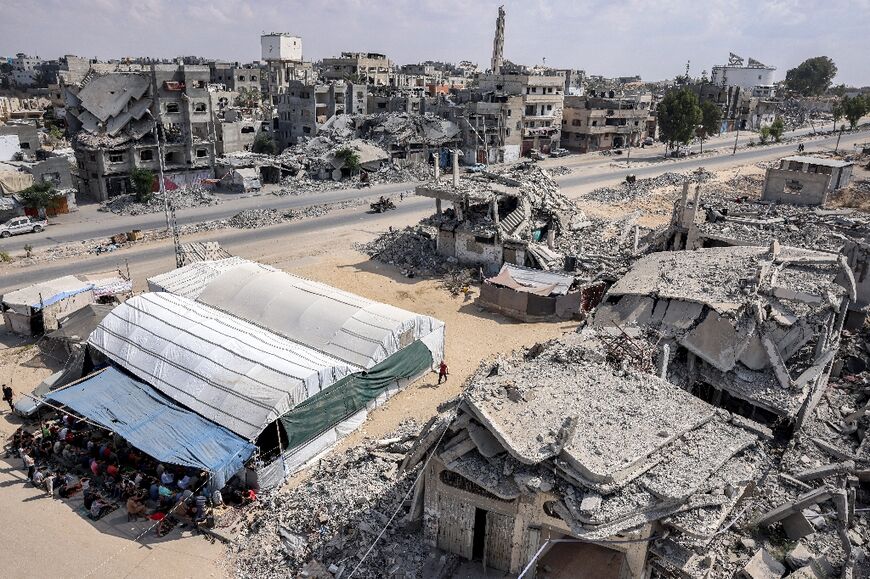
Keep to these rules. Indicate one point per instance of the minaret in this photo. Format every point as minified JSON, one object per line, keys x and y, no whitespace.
{"x":498,"y":43}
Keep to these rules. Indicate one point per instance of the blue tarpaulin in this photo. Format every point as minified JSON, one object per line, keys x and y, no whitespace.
{"x":155,"y":425}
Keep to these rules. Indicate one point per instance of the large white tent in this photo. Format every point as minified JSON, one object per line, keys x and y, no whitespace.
{"x":357,"y":330}
{"x":225,"y":369}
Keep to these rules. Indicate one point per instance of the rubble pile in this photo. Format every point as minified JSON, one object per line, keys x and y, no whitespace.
{"x":645,"y":187}
{"x":734,"y":217}
{"x":255,"y":218}
{"x":560,"y":170}
{"x":603,"y":249}
{"x":335,"y":515}
{"x":182,"y":198}
{"x":412,"y":250}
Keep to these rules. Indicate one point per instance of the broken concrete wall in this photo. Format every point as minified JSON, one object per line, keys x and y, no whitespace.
{"x":797,"y":188}
{"x":471,"y":249}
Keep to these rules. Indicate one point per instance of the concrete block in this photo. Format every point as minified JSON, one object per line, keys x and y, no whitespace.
{"x":826,"y":470}
{"x":804,"y":573}
{"x":796,"y":526}
{"x":762,"y":565}
{"x":799,"y":557}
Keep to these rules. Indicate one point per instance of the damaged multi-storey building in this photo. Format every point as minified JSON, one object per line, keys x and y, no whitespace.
{"x":159,"y":118}
{"x":557,"y":461}
{"x":303,"y":108}
{"x":513,"y":216}
{"x":750,"y":329}
{"x":609,"y":121}
{"x":542,"y":96}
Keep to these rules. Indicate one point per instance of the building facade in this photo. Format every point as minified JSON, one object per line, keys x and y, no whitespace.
{"x":123,"y":121}
{"x":543,"y":99}
{"x":593,"y":123}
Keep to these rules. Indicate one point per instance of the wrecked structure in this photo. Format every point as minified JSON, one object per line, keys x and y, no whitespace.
{"x":721,"y":220}
{"x":157,"y":120}
{"x":302,"y":109}
{"x":752,"y":329}
{"x":542,"y":96}
{"x":542,"y":468}
{"x":805,"y":180}
{"x":534,"y":295}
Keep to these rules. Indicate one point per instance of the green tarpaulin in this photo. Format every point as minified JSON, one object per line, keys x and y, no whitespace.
{"x":351,"y":394}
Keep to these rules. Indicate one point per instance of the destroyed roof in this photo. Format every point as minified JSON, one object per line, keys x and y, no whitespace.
{"x":534,"y":281}
{"x":818,"y":161}
{"x":225,"y":369}
{"x":718,"y":276}
{"x":357,"y":330}
{"x":614,"y":449}
{"x":108,"y":95}
{"x":605,"y":424}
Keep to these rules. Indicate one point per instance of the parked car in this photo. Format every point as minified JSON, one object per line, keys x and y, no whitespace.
{"x":19,"y":225}
{"x":536,"y":155}
{"x":477,"y":168}
{"x":31,"y":405}
{"x":560,"y":153}
{"x":649,"y":142}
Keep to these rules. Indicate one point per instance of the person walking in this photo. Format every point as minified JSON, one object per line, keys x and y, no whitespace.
{"x":7,"y":396}
{"x":443,"y":372}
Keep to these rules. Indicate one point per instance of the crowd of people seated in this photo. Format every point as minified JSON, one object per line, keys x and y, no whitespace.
{"x":67,"y":455}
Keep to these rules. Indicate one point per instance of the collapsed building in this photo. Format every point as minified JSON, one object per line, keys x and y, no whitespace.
{"x":559,"y":461}
{"x":513,"y":216}
{"x":159,"y":119}
{"x":751,"y":329}
{"x":719,"y":220}
{"x":591,"y":123}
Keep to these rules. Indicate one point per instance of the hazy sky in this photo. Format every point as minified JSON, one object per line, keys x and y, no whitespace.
{"x":653,"y":38}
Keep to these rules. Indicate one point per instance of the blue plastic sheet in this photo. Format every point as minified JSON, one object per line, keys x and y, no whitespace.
{"x":155,"y":425}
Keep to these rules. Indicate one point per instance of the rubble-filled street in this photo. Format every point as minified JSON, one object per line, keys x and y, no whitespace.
{"x":312,"y":314}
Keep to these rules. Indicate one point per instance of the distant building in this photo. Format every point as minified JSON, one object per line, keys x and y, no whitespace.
{"x":754,"y":77}
{"x":592,"y":123}
{"x":121,"y":121}
{"x":360,"y":67}
{"x":302,"y":108}
{"x":543,"y":98}
{"x":235,"y":76}
{"x":283,"y":55}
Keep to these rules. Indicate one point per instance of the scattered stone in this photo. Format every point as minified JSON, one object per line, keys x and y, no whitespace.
{"x":762,"y":565}
{"x":800,"y":556}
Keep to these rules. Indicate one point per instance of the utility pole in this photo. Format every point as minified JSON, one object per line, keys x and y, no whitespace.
{"x":162,"y":183}
{"x":840,"y":134}
{"x":737,"y":136}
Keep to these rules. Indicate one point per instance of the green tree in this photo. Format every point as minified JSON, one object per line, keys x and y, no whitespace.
{"x":350,"y":158}
{"x":142,"y":181}
{"x":837,"y":112}
{"x":40,"y":196}
{"x":777,"y":127}
{"x":249,"y":98}
{"x":764,"y":135}
{"x":679,"y":116}
{"x":812,"y":77}
{"x":711,"y":119}
{"x":264,"y":144}
{"x":854,"y":108}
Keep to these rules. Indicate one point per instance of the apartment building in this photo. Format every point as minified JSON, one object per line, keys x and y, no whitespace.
{"x":121,"y":121}
{"x":543,"y":99}
{"x":605,"y":121}
{"x":361,"y":67}
{"x":302,"y":108}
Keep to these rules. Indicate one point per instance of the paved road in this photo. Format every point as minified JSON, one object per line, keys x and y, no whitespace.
{"x":411,"y":210}
{"x":88,"y":223}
